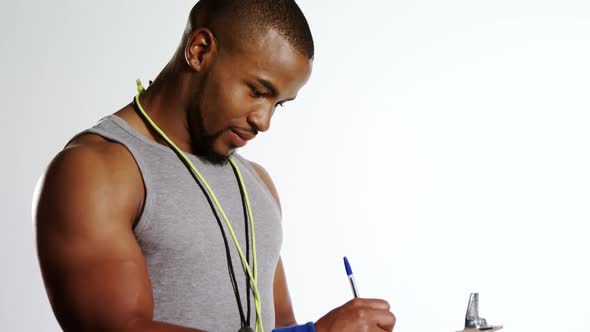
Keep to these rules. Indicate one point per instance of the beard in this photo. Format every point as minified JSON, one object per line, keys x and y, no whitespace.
{"x":203,"y":141}
{"x":208,"y":152}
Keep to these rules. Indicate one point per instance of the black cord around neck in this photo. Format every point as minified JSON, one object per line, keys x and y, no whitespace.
{"x":244,"y":319}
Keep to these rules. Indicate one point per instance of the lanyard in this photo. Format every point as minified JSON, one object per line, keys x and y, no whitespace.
{"x":252,"y":274}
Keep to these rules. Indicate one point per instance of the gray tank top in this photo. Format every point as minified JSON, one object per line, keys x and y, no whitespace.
{"x":181,"y":240}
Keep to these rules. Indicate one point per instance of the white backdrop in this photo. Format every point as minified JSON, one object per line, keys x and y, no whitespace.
{"x":443,"y":146}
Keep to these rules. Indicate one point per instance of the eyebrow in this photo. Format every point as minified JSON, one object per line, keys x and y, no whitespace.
{"x":273,"y":90}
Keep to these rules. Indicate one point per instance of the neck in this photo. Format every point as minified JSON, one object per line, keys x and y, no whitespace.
{"x":166,"y":102}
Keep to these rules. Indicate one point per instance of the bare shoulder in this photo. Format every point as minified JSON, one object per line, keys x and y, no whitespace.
{"x":265,"y":177}
{"x":91,"y":172}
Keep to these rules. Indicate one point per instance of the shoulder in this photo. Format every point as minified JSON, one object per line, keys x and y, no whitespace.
{"x":85,"y":205}
{"x":262,"y":173}
{"x":267,"y":180}
{"x":92,"y":175}
{"x":105,"y":163}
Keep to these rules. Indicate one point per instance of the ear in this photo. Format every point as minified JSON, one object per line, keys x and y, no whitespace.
{"x":201,"y":48}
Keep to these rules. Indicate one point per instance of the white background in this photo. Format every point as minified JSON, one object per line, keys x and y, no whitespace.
{"x":443,"y":146}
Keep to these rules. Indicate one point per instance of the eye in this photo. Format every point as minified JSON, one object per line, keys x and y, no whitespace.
{"x":282,"y":104}
{"x":257,"y":93}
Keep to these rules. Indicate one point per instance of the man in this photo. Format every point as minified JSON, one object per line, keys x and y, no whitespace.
{"x":134,"y":216}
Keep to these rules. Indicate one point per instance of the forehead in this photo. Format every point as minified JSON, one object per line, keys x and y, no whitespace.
{"x":272,"y":57}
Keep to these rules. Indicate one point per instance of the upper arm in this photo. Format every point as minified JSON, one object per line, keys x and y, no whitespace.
{"x":284,"y":315}
{"x":93,"y":269}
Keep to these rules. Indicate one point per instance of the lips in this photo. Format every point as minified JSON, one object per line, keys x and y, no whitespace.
{"x":245,"y":135}
{"x":241,"y":137}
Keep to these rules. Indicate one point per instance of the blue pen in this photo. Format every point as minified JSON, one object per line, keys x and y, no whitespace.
{"x":355,"y":291}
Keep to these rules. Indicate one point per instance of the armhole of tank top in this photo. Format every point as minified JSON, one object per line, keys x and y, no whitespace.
{"x":255,"y":175}
{"x":147,"y":210}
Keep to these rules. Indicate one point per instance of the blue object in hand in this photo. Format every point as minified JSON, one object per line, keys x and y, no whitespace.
{"x":355,"y":291}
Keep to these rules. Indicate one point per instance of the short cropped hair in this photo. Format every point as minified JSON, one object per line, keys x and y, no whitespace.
{"x":243,"y":20}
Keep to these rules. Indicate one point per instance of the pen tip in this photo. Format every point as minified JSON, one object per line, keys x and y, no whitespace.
{"x":347,"y":266}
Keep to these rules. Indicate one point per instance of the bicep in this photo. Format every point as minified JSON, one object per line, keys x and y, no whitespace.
{"x":92,"y":266}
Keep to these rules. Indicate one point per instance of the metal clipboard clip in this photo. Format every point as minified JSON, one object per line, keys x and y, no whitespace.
{"x":472,"y":320}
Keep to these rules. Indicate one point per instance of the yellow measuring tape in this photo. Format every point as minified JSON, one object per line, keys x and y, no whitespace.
{"x":252,"y":274}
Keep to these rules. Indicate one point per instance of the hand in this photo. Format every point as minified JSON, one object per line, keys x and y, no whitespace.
{"x":358,"y":315}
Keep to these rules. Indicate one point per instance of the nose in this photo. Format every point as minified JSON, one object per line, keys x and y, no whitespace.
{"x":260,"y":118}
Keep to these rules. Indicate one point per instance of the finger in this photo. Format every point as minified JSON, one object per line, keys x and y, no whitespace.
{"x":377,"y":304}
{"x":385,"y":320}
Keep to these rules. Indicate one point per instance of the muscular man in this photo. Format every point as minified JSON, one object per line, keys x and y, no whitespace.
{"x":134,"y":234}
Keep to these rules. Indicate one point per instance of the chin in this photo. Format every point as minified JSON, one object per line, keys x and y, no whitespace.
{"x":217,"y":158}
{"x":214,"y":151}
